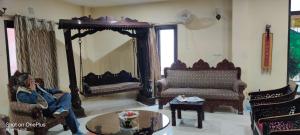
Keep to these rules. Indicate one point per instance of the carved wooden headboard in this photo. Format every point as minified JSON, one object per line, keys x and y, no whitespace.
{"x":202,"y":65}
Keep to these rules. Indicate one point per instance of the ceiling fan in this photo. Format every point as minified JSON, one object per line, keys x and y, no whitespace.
{"x":192,"y":22}
{"x":184,"y":17}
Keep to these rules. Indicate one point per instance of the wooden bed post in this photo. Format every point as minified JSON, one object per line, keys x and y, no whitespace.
{"x":76,"y":102}
{"x":145,"y":95}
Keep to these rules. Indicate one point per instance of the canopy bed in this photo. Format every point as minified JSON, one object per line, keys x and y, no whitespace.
{"x":126,"y":26}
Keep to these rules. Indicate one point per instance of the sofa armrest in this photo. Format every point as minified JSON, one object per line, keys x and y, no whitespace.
{"x":239,"y":86}
{"x":161,"y":85}
{"x":33,"y":110}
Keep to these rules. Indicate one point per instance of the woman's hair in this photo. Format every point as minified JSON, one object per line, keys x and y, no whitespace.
{"x":22,"y":79}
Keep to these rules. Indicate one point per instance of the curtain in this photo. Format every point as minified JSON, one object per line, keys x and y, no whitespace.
{"x":36,"y":49}
{"x":154,"y":57}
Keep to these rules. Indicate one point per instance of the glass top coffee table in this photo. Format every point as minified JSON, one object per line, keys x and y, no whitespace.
{"x":110,"y":124}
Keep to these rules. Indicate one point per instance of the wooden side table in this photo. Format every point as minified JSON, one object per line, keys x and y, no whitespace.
{"x":195,"y":106}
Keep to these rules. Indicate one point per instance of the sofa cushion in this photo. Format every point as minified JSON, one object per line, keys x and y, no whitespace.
{"x":218,"y":79}
{"x":202,"y":93}
{"x":115,"y":87}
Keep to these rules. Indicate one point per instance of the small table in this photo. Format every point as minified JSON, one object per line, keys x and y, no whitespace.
{"x":178,"y":105}
{"x":109,"y":124}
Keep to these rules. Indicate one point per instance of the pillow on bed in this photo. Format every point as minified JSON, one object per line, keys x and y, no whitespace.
{"x":124,"y":76}
{"x":91,"y":79}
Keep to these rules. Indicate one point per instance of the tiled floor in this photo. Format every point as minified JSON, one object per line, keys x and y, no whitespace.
{"x":223,"y":122}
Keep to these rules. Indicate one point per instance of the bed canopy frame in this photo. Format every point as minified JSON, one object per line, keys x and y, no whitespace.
{"x":126,"y":26}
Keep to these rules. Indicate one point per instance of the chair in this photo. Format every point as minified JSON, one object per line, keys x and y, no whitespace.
{"x":272,"y":96}
{"x":30,"y":116}
{"x":3,"y":120}
{"x":276,"y":117}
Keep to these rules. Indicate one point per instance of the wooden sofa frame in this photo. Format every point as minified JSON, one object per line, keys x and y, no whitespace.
{"x":271,"y":96}
{"x":210,"y":104}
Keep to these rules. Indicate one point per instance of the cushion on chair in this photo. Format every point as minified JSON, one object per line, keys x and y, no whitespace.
{"x":218,"y":79}
{"x":203,"y":93}
{"x":114,"y":87}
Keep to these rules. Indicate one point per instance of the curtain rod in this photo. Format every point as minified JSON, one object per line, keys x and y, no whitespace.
{"x":169,"y":23}
{"x":7,"y":17}
{"x":11,"y":17}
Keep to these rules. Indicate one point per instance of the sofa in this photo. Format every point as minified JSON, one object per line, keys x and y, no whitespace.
{"x":220,"y":85}
{"x":109,"y":83}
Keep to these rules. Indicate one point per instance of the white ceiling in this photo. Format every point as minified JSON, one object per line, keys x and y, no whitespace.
{"x":107,"y":3}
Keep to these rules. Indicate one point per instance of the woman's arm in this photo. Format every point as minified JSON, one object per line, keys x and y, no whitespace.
{"x":27,"y":97}
{"x":54,"y":91}
{"x":51,"y":91}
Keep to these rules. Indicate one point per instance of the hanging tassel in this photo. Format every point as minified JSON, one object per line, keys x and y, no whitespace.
{"x":80,"y":63}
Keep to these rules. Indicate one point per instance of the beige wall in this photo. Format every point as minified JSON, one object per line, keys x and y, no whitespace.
{"x":46,"y":9}
{"x":237,"y":36}
{"x":248,"y":24}
{"x":211,"y":40}
{"x":121,"y":58}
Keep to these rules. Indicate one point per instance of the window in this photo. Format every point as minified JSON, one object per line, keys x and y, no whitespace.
{"x":10,"y":47}
{"x":295,"y":5}
{"x":294,"y":42}
{"x":167,"y":45}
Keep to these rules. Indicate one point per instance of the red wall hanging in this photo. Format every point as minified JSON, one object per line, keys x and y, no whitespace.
{"x":267,"y":45}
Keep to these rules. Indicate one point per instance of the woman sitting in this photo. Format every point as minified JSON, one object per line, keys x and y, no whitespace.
{"x":31,"y":93}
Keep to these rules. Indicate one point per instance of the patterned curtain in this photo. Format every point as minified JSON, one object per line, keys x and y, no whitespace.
{"x":36,"y":49}
{"x":154,"y":57}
